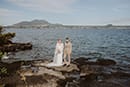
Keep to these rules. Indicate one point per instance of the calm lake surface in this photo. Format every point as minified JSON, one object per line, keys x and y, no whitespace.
{"x":89,"y":43}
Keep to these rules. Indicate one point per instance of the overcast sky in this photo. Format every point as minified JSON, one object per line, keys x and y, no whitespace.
{"x":81,"y":12}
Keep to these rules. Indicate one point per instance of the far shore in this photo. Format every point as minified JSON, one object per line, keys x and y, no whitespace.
{"x":70,"y":27}
{"x":45,"y":24}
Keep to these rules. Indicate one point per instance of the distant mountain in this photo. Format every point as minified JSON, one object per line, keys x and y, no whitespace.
{"x":33,"y":23}
{"x":45,"y":24}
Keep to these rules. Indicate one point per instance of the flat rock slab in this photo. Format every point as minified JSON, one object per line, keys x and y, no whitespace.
{"x":69,"y":68}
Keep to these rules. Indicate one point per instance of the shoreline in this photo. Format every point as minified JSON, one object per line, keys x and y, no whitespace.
{"x":67,"y":27}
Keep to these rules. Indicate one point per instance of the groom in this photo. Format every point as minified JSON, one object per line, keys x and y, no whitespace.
{"x":67,"y":51}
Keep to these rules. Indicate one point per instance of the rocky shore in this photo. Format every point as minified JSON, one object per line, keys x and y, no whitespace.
{"x":14,"y":47}
{"x":82,"y":72}
{"x":6,"y":45}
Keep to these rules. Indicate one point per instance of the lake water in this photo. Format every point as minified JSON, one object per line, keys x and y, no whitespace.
{"x":90,"y":43}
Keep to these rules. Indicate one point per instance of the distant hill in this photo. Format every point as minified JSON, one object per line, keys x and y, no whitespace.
{"x":45,"y":24}
{"x":33,"y":23}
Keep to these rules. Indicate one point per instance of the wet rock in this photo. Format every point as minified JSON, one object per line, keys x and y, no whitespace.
{"x":105,"y":62}
{"x":120,"y":74}
{"x":68,"y":82}
{"x":23,"y":46}
{"x":101,"y":73}
{"x":84,"y":61}
{"x":87,"y":70}
{"x":11,"y":80}
{"x":81,"y":61}
{"x":44,"y":80}
{"x":11,"y":68}
{"x":61,"y":83}
{"x":33,"y":80}
{"x":15,"y":47}
{"x":86,"y":83}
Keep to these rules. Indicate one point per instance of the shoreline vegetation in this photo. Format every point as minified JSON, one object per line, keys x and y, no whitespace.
{"x":6,"y":45}
{"x":43,"y":24}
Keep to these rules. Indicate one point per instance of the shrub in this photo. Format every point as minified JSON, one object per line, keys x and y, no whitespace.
{"x":1,"y":54}
{"x":3,"y":70}
{"x":5,"y":38}
{"x":1,"y":29}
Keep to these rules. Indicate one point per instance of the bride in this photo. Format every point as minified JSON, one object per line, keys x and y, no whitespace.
{"x":58,"y":60}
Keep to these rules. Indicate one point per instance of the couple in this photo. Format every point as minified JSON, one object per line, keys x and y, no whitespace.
{"x":60,"y":50}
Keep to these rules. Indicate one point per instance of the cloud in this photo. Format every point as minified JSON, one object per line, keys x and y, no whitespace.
{"x":57,"y":6}
{"x":125,"y":20}
{"x":8,"y":13}
{"x":8,"y":16}
{"x":120,"y":21}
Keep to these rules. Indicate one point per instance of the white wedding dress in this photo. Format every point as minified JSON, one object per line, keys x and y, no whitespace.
{"x":57,"y":60}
